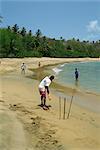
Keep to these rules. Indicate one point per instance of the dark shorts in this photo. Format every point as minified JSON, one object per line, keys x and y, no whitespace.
{"x":76,"y":76}
{"x":42,"y":93}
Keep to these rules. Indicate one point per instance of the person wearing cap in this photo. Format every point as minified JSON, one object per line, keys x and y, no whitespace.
{"x":44,"y":89}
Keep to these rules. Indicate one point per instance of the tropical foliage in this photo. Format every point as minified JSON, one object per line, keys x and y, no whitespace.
{"x":17,"y":42}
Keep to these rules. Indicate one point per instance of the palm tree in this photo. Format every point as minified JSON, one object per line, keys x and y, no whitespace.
{"x":53,"y":39}
{"x":87,"y":41}
{"x":30,"y":32}
{"x":23,"y":31}
{"x":44,"y":38}
{"x":93,"y":42}
{"x":78,"y":40}
{"x":9,"y":28}
{"x":61,"y":38}
{"x":15,"y":28}
{"x":73,"y":39}
{"x":84,"y":41}
{"x":38,"y":33}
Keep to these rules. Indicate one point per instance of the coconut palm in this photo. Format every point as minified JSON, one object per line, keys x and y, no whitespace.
{"x":9,"y":28}
{"x":38,"y":33}
{"x":15,"y":28}
{"x":23,"y":31}
{"x":30,"y":32}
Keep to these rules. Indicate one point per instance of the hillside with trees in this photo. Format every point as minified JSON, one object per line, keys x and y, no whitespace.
{"x":16,"y":42}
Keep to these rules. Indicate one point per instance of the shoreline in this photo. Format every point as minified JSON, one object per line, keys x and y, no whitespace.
{"x":38,"y":73}
{"x":45,"y":69}
{"x":67,"y":91}
{"x":13,"y":64}
{"x":80,"y":90}
{"x":44,"y":129}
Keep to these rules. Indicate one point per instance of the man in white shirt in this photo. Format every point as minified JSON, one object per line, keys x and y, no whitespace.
{"x":23,"y":68}
{"x":44,"y":89}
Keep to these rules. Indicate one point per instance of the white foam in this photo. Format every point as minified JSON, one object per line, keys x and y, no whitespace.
{"x":62,"y":65}
{"x":57,"y":70}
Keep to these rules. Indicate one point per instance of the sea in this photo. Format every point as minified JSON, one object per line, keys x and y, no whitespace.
{"x":89,"y":75}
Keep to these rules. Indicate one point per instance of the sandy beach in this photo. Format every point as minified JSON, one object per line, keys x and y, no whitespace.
{"x":26,"y":126}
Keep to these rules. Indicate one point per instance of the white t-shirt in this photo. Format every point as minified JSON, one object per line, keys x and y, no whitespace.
{"x":23,"y":66}
{"x":45,"y":82}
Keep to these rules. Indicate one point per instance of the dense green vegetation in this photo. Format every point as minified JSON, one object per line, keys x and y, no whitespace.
{"x":15,"y":42}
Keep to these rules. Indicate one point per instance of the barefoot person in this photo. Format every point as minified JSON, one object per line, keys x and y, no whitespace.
{"x":23,"y":68}
{"x":39,"y":64}
{"x":76,"y":74}
{"x":44,"y":89}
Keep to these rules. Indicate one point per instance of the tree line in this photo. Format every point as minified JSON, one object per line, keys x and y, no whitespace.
{"x":16,"y":42}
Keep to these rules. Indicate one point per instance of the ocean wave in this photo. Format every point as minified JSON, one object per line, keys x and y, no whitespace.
{"x":57,"y":70}
{"x":62,"y":65}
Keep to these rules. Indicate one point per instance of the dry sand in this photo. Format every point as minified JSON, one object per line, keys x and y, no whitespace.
{"x":26,"y":126}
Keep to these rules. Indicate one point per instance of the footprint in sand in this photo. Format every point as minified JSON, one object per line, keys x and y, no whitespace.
{"x":2,"y":101}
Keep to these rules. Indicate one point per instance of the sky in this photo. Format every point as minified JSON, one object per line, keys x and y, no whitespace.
{"x":69,"y":19}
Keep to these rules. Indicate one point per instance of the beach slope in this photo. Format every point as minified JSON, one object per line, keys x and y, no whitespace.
{"x":26,"y":126}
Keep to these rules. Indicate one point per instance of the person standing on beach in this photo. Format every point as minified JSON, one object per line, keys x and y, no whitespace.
{"x":44,"y":89}
{"x":23,"y":68}
{"x":76,"y":74}
{"x":39,"y":64}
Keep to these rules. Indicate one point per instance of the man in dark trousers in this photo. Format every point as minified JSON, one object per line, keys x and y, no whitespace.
{"x":76,"y":74}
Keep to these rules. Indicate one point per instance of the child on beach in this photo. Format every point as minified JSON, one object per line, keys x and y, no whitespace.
{"x":44,"y":89}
